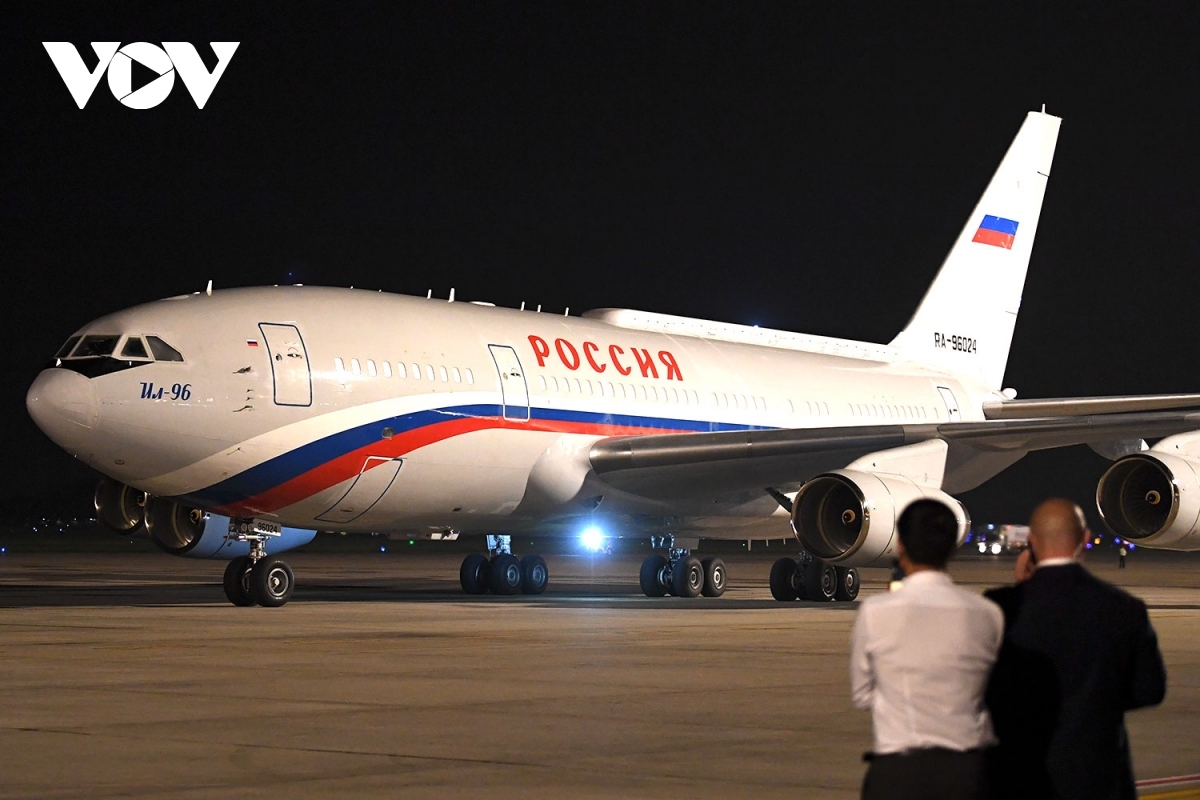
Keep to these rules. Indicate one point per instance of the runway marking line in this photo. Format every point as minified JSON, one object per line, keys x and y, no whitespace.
{"x":1180,"y":794}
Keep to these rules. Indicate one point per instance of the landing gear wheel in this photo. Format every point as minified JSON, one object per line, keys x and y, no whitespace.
{"x":237,"y":581}
{"x":505,"y":577}
{"x":687,"y":577}
{"x":820,"y":581}
{"x":473,"y":574}
{"x":652,"y":567}
{"x":271,"y":582}
{"x":848,"y":584}
{"x":534,"y":574}
{"x":714,"y":577}
{"x":783,"y":580}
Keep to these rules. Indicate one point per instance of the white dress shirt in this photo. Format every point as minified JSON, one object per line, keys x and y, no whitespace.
{"x":920,"y":658}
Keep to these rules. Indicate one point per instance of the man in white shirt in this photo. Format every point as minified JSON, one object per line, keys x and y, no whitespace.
{"x":919,"y":662}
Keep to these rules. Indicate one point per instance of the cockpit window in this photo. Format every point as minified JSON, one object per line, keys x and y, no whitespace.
{"x":163,"y":351}
{"x":68,"y":347}
{"x":134,"y":348}
{"x":96,"y":346}
{"x":96,"y":355}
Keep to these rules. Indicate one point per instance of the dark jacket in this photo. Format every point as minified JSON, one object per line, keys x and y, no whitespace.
{"x":1077,"y":654}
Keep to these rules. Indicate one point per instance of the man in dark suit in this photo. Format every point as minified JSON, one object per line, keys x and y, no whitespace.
{"x":1077,"y":654}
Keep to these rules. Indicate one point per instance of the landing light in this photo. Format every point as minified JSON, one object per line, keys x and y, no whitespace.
{"x":592,"y":539}
{"x":996,"y":549}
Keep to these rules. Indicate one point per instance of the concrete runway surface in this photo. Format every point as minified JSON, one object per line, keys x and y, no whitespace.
{"x":131,"y":676}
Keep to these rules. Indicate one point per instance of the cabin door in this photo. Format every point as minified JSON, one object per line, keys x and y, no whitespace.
{"x":289,"y":364}
{"x":514,"y":392}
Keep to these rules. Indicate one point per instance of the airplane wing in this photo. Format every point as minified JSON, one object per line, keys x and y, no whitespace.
{"x":691,"y":464}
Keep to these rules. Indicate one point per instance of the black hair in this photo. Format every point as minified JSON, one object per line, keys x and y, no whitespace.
{"x":929,"y":532}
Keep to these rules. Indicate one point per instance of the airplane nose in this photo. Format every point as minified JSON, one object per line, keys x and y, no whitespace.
{"x":64,"y":405}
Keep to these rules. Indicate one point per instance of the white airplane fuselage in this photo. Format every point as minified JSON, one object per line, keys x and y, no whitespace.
{"x":360,"y":411}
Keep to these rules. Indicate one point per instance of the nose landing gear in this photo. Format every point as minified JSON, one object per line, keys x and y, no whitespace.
{"x":258,"y":578}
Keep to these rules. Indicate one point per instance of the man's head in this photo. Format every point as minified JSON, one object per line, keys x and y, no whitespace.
{"x":1057,"y":529}
{"x":928,"y":533}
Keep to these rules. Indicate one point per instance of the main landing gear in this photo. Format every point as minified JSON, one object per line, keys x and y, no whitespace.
{"x":682,"y":574}
{"x":809,"y":578}
{"x":502,"y":572}
{"x":258,"y":579}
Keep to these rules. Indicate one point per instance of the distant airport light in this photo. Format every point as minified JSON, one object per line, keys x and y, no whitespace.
{"x":382,"y":549}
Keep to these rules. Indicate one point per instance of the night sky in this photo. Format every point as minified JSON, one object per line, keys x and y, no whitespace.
{"x":796,"y":165}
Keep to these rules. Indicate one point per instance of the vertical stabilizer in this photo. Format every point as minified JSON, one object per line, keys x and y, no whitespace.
{"x":965,"y":322}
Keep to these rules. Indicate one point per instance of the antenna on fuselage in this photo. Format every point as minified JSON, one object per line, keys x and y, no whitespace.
{"x":208,"y":291}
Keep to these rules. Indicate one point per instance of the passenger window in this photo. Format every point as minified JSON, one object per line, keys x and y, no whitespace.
{"x":401,"y":372}
{"x":578,"y":388}
{"x":470,"y":376}
{"x":162,"y":351}
{"x":387,"y":369}
{"x":371,"y":368}
{"x":443,"y":375}
{"x":542,"y":382}
{"x":429,"y":371}
{"x":134,"y":348}
{"x":458,"y":377}
{"x":355,"y":367}
{"x":339,"y":365}
{"x":416,"y":372}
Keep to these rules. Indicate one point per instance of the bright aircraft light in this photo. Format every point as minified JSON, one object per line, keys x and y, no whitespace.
{"x":592,"y":538}
{"x":996,"y":549}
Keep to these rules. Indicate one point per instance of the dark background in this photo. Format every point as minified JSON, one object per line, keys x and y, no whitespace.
{"x":795,"y":165}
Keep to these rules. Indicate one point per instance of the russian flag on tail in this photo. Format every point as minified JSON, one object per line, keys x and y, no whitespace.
{"x":996,"y":231}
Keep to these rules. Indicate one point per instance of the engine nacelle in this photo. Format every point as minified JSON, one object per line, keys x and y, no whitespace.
{"x":119,"y":507}
{"x":192,"y":533}
{"x":849,"y":517}
{"x":1153,"y":499}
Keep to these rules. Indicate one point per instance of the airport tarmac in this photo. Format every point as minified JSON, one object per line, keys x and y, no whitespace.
{"x":131,"y":676}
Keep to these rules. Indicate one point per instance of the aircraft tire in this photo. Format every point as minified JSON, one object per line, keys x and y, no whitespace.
{"x":534,"y":575}
{"x":848,"y":584}
{"x":473,"y":574}
{"x":714,"y":577}
{"x":783,"y":580}
{"x":820,"y":581}
{"x":505,"y":577}
{"x":687,"y":577}
{"x":271,"y":582}
{"x":237,"y":581}
{"x":648,"y":577}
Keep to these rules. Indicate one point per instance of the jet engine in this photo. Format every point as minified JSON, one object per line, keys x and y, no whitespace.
{"x":1152,"y":498}
{"x":848,"y":517}
{"x":190,"y":532}
{"x":119,"y":507}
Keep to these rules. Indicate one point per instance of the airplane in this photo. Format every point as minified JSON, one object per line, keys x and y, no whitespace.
{"x":237,"y":423}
